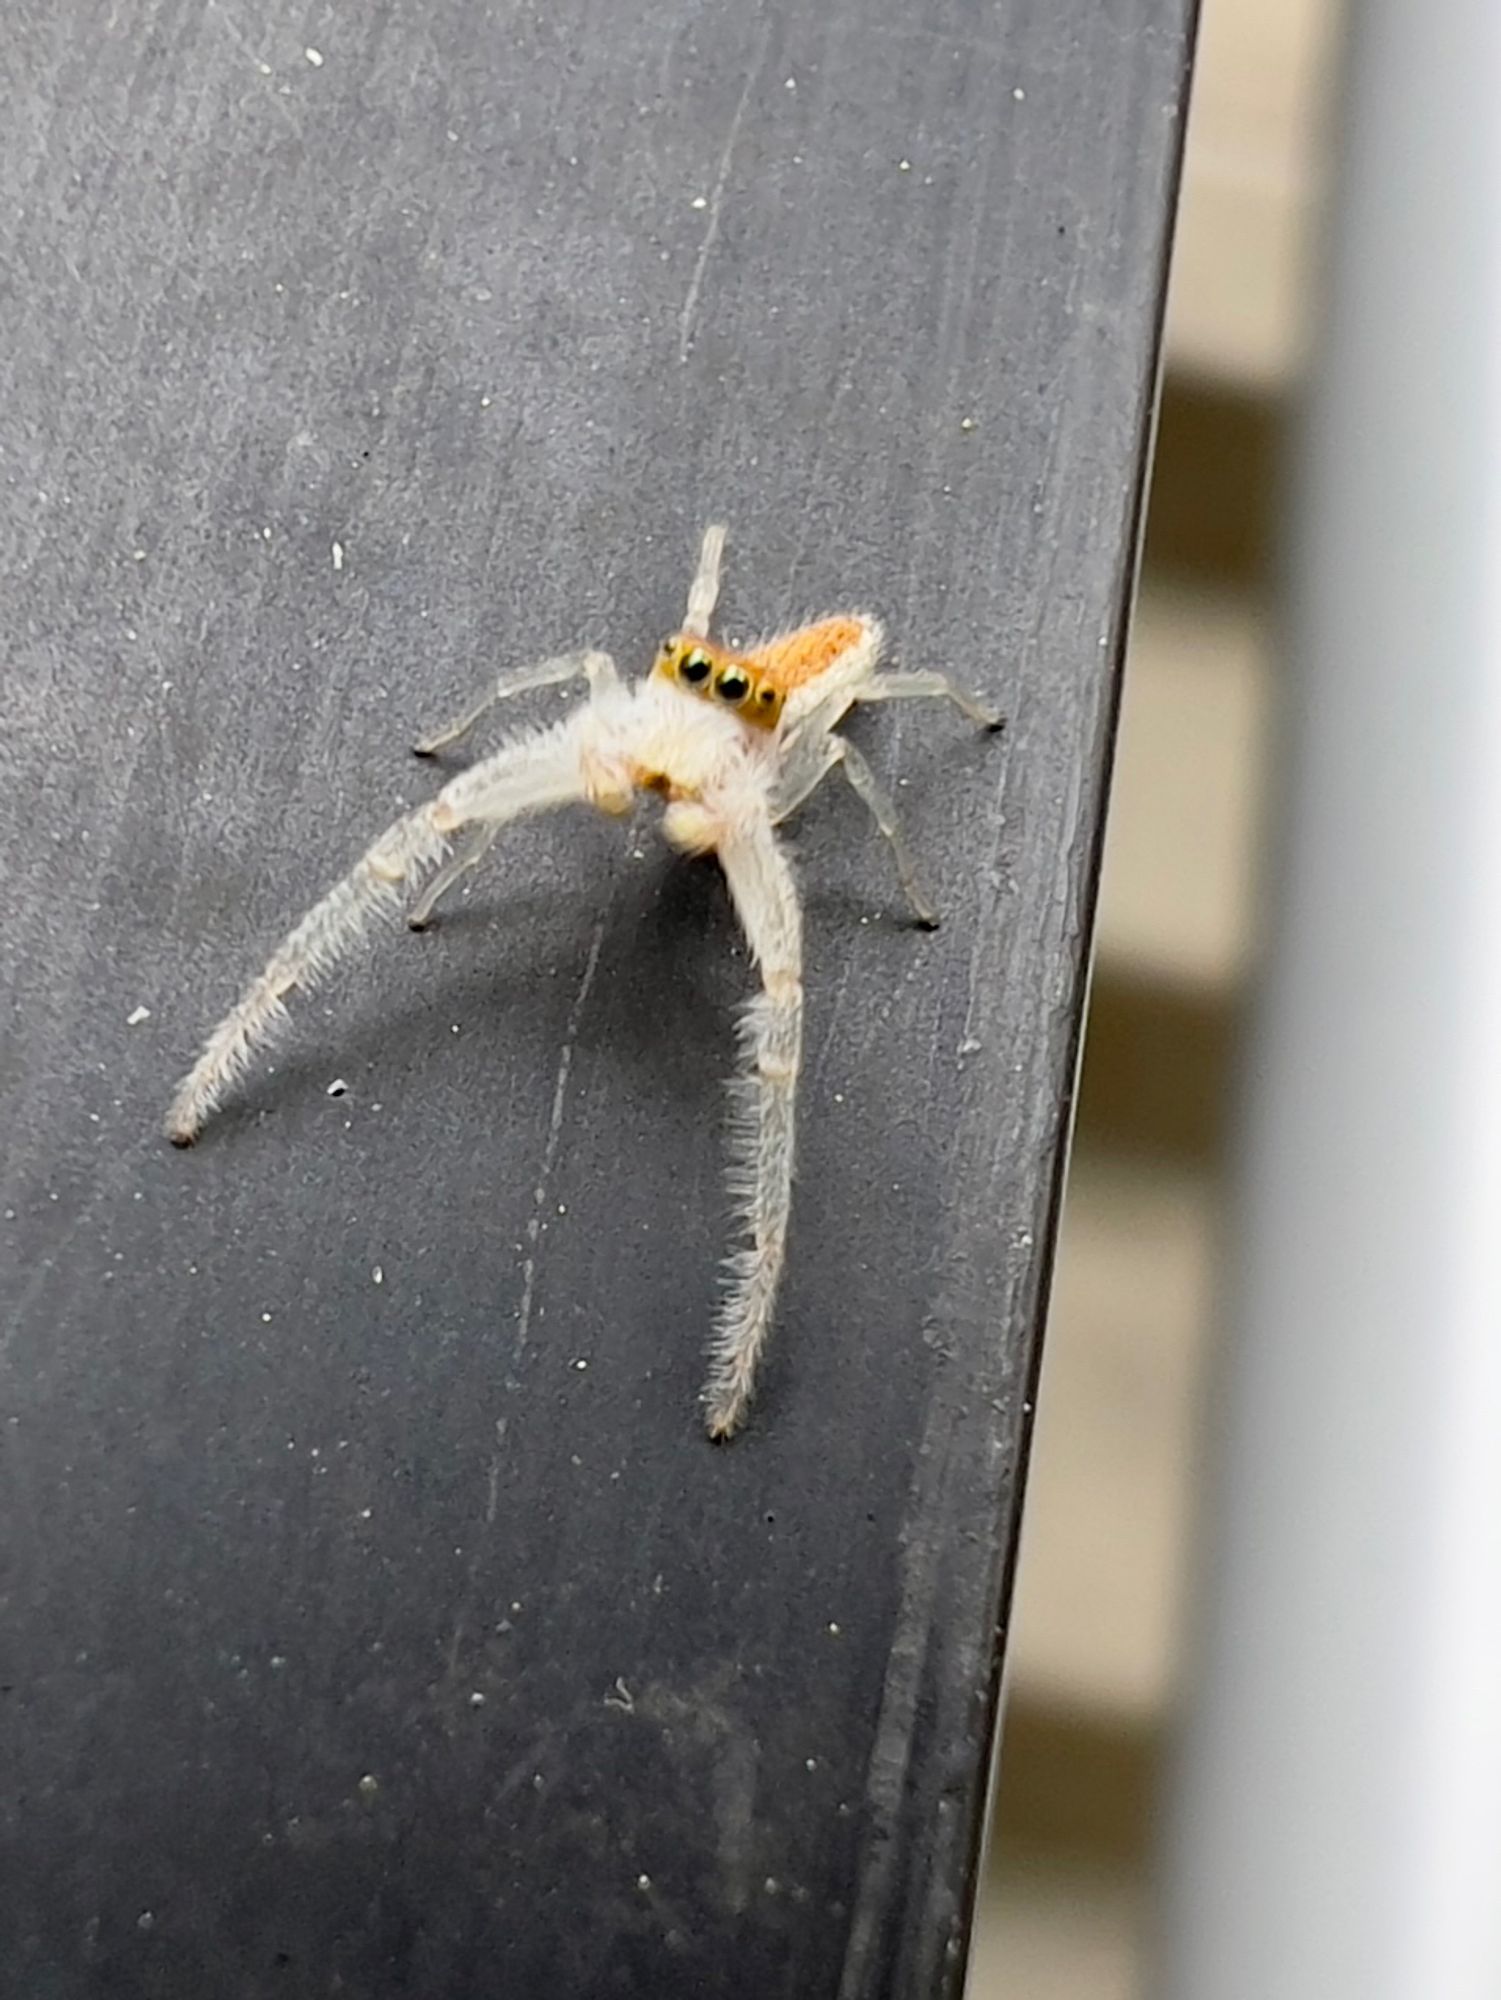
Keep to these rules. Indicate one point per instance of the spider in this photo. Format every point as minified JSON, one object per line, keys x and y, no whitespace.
{"x":732,"y":742}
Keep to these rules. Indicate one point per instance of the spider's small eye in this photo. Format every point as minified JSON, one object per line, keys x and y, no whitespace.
{"x":732,"y":685}
{"x":766,"y":697}
{"x":694,"y":668}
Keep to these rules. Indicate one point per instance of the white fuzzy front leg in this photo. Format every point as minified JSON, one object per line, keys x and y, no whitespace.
{"x":526,"y":776}
{"x":763,"y":1133}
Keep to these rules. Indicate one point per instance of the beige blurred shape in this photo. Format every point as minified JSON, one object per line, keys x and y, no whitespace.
{"x":1095,"y":1645}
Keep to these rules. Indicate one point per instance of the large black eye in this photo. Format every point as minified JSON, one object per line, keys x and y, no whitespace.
{"x":732,"y":685}
{"x":694,"y":668}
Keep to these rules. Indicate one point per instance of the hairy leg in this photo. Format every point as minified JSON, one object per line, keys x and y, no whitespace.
{"x":867,"y":786}
{"x":703,"y":593}
{"x":919,"y":686}
{"x":598,"y":669}
{"x":469,"y":855}
{"x":765,"y":900}
{"x":809,"y":764}
{"x":526,"y":776}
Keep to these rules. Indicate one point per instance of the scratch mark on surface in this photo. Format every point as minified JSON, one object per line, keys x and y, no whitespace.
{"x":554,"y":1133}
{"x":716,"y":205}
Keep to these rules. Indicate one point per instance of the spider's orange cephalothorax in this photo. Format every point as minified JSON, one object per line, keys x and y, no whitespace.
{"x":720,"y":676}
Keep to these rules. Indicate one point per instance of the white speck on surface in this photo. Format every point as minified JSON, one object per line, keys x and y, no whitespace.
{"x":966,"y":423}
{"x":484,"y":402}
{"x":366,"y":1512}
{"x":810,"y":1763}
{"x":904,"y":166}
{"x":265,"y":1319}
{"x":699,"y":201}
{"x":833,"y":1629}
{"x":369,"y":1786}
{"x":476,"y":1700}
{"x":643,"y":1881}
{"x":138,"y":555}
{"x":315,"y":57}
{"x":338,"y":555}
{"x":337,"y":1088}
{"x":581,"y":1364}
{"x":378,"y":1276}
{"x":145,"y":1920}
{"x":772,"y":1885}
{"x":1019,"y":94}
{"x":839,"y":1097}
{"x":265,"y":534}
{"x":970,"y":1047}
{"x":136,"y":1015}
{"x":264,"y":68}
{"x":278,"y":1661}
{"x":790,"y":84}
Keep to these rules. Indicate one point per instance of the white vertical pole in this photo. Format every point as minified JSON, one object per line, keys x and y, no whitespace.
{"x":1334,"y":1830}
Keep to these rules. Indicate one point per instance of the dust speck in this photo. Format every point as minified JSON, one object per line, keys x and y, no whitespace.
{"x":338,"y":555}
{"x":315,"y":57}
{"x":136,"y":1015}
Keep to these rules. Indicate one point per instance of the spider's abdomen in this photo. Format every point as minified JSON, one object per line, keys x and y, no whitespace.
{"x":796,"y":658}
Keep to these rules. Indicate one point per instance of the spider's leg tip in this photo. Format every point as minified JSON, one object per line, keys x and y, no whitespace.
{"x":928,"y":920}
{"x":419,"y":924}
{"x":723,"y":1424}
{"x":181,"y":1137}
{"x":423,"y":750}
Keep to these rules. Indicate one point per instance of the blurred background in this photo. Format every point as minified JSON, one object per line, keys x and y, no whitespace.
{"x":1095,"y":1654}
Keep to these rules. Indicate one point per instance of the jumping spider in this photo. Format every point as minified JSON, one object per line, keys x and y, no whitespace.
{"x":733,"y":742}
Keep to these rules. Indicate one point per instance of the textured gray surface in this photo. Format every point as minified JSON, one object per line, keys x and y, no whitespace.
{"x":406,"y":1636}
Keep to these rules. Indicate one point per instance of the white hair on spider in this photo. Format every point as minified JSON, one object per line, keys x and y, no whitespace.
{"x":732,"y":742}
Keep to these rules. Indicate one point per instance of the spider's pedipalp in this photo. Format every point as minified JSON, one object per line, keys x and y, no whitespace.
{"x":525,"y":776}
{"x":763,"y":1128}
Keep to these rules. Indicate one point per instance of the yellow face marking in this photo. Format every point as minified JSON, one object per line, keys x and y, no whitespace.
{"x":715,"y":674}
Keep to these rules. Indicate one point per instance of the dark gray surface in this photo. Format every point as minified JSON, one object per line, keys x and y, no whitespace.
{"x":407,"y":1637}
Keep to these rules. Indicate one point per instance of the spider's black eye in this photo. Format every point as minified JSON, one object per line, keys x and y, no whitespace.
{"x":732,"y":685}
{"x":694,"y":668}
{"x":766,"y":697}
